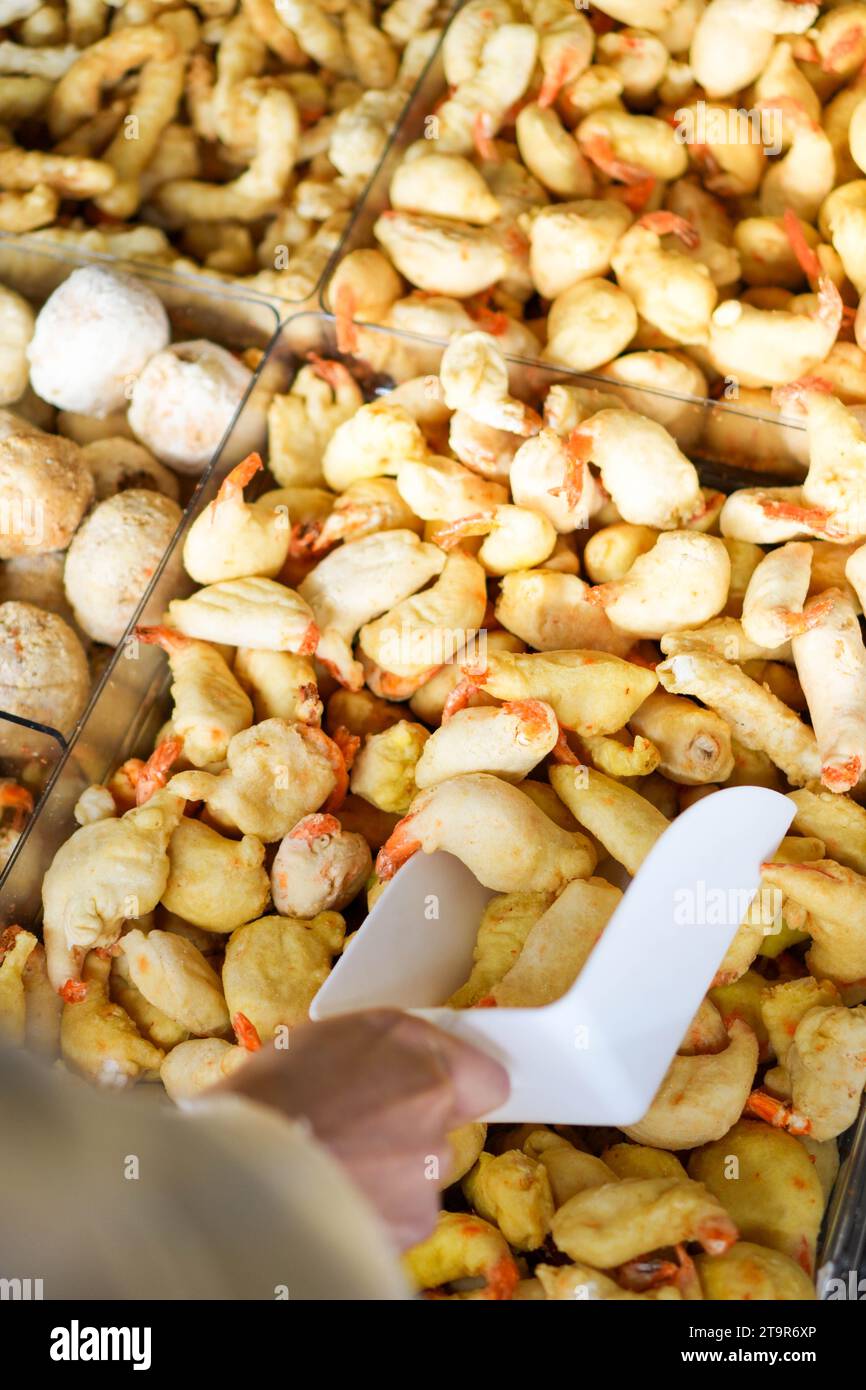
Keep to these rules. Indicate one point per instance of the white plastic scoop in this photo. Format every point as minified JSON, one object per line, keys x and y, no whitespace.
{"x":598,"y":1054}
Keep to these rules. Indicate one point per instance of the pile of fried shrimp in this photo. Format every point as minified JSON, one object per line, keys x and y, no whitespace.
{"x":668,"y":192}
{"x":451,"y":621}
{"x":230,"y":136}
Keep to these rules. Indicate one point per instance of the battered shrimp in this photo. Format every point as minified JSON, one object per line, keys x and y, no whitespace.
{"x":209,"y":705}
{"x":509,"y":742}
{"x":474,"y":378}
{"x":606,"y":1226}
{"x":463,"y":1246}
{"x":324,"y":395}
{"x":104,"y":874}
{"x":318,"y":867}
{"x":473,"y":113}
{"x":650,"y":480}
{"x":590,"y":692}
{"x":670,"y":290}
{"x":701,"y":1095}
{"x":233,"y":538}
{"x":498,"y":833}
{"x":831,"y":664}
{"x":360,"y":581}
{"x":734,"y":39}
{"x":276,"y":773}
{"x":424,"y":631}
{"x":247,"y":612}
{"x":759,"y":719}
{"x":681,"y":582}
{"x":771,"y":347}
{"x":550,"y":475}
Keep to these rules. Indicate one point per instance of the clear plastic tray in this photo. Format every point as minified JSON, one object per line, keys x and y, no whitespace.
{"x":35,"y":269}
{"x":132,"y":700}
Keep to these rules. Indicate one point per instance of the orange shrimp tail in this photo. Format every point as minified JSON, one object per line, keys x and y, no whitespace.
{"x":305,"y":539}
{"x":487,"y":1002}
{"x":334,"y":373}
{"x":15,"y":798}
{"x":246,"y":1033}
{"x":842,"y":777}
{"x":309,"y":641}
{"x":311,"y":827}
{"x":452,"y":533}
{"x":534,"y":715}
{"x":166,"y":637}
{"x":806,"y":256}
{"x":669,"y":223}
{"x":776,"y":1113}
{"x":345,"y":308}
{"x":502,"y":1279}
{"x":717,"y":1234}
{"x":562,"y":753}
{"x":336,"y":757}
{"x":830,"y":307}
{"x":348,"y":744}
{"x":483,"y":137}
{"x":834,"y":59}
{"x":154,"y":774}
{"x":556,"y":78}
{"x":232,"y":486}
{"x":398,"y":847}
{"x":73,"y":991}
{"x":459,"y":698}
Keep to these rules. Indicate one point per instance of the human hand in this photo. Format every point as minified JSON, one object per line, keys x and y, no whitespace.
{"x":381,"y":1090}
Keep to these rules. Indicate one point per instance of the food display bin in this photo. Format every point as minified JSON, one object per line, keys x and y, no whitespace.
{"x":132,"y":699}
{"x":233,"y":320}
{"x":182,"y":284}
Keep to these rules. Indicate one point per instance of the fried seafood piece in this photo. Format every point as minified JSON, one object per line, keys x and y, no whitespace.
{"x":99,"y":1039}
{"x":509,"y":741}
{"x":214,"y":882}
{"x":701,"y":1095}
{"x":646,"y":604}
{"x":248,"y":612}
{"x":505,"y":925}
{"x":758,"y":718}
{"x":748,"y":1271}
{"x":195,"y":1065}
{"x":497,"y":831}
{"x":512,"y":1191}
{"x":232,"y":538}
{"x":591,"y":692}
{"x":775,"y":1199}
{"x":626,"y":823}
{"x":557,"y":945}
{"x":323,"y":396}
{"x":174,"y":976}
{"x":606,"y":1226}
{"x":422,"y":632}
{"x":209,"y":705}
{"x":383,"y":771}
{"x":319,"y":867}
{"x":463,"y":1246}
{"x":275,"y":966}
{"x":277,"y":772}
{"x":360,"y":581}
{"x":106,"y":873}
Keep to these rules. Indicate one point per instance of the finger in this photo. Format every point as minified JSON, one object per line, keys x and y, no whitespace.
{"x":479,"y":1083}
